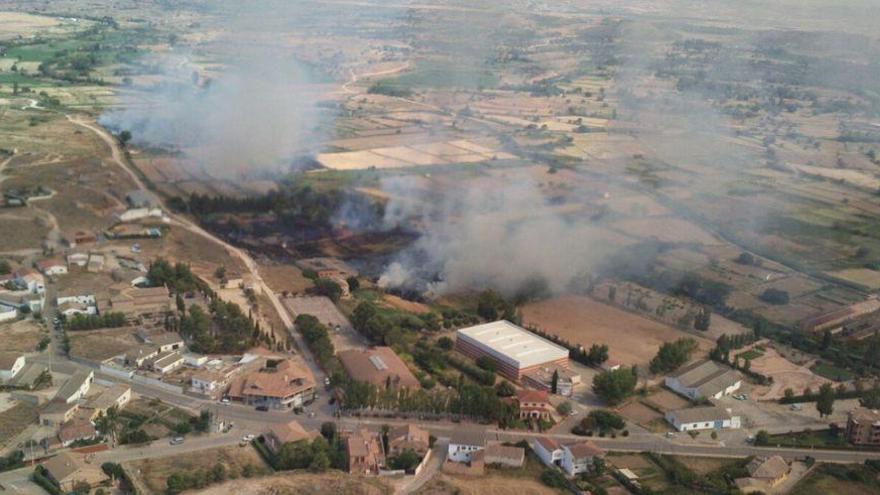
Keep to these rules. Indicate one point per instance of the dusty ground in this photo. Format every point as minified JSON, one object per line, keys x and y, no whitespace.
{"x":667,"y":400}
{"x":631,"y":338}
{"x":785,"y":375}
{"x":450,"y":485}
{"x":20,"y":336}
{"x":323,"y":308}
{"x":403,"y":304}
{"x":284,"y":278}
{"x":15,"y":419}
{"x":152,"y":473}
{"x":99,"y":345}
{"x":330,"y":483}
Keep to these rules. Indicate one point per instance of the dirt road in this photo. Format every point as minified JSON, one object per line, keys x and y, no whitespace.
{"x":251,"y":265}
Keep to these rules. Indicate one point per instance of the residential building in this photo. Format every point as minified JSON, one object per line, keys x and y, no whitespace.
{"x":542,"y":379}
{"x":65,"y":469}
{"x":580,"y":457}
{"x":11,"y":363}
{"x":548,"y":450}
{"x":504,"y":455}
{"x":195,"y":360}
{"x":77,"y":260}
{"x":57,"y":412}
{"x":163,"y":341}
{"x":364,"y":452}
{"x":52,"y":267}
{"x":705,"y":379}
{"x":76,"y":387}
{"x":74,"y":431}
{"x":463,"y":444}
{"x":29,"y":376}
{"x":379,"y":366}
{"x":166,"y":362}
{"x":282,"y":433}
{"x":514,"y":350}
{"x":278,"y":385}
{"x":863,"y":426}
{"x":534,"y":404}
{"x":150,"y":302}
{"x":87,"y":303}
{"x":702,"y":418}
{"x":408,"y":437}
{"x":8,"y":311}
{"x":139,"y":355}
{"x":118,"y":395}
{"x":765,"y":474}
{"x":332,"y":268}
{"x":135,"y":214}
{"x":96,"y":263}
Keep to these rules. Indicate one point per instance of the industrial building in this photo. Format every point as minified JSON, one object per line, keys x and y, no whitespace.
{"x":515,"y":351}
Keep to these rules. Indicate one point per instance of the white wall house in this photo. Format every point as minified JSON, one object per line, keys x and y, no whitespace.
{"x":76,"y":387}
{"x":8,"y":312}
{"x":702,"y":418}
{"x":10,"y":364}
{"x":464,"y":444}
{"x":139,"y":213}
{"x":86,"y":299}
{"x":548,"y":450}
{"x":580,"y":457}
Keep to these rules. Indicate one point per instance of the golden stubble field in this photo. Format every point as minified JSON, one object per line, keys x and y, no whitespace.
{"x":632,"y":339}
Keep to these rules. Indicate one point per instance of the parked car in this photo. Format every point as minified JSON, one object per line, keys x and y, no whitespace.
{"x":225,"y":401}
{"x":263,"y":408}
{"x":248,"y":438}
{"x":176,"y":441}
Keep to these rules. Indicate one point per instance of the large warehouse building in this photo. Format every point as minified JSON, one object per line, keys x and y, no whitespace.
{"x":515,"y":350}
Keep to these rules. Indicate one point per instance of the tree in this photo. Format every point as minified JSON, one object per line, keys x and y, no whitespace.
{"x":220,"y":273}
{"x":329,"y":288}
{"x":487,"y":305}
{"x":827,"y":339}
{"x":672,"y":355}
{"x":762,"y":438}
{"x":406,"y":460}
{"x":5,"y":267}
{"x":789,"y":393}
{"x":597,"y":354}
{"x":703,"y":319}
{"x":445,"y":343}
{"x":825,"y":400}
{"x":125,"y":137}
{"x":504,"y":389}
{"x":616,"y":385}
{"x":486,"y":363}
{"x":353,"y":284}
{"x":554,"y":382}
{"x":775,"y":296}
{"x":564,"y":409}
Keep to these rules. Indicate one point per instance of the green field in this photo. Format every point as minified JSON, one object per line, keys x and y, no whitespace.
{"x":832,"y":372}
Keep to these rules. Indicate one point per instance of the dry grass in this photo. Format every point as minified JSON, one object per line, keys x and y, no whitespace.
{"x":20,"y":336}
{"x":29,"y":231}
{"x":631,"y":338}
{"x":100,"y":345}
{"x":330,"y":483}
{"x":282,"y":278}
{"x":449,"y":485}
{"x":15,"y":419}
{"x":153,"y":473}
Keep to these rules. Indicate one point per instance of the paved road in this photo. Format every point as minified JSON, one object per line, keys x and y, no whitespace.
{"x":19,"y":481}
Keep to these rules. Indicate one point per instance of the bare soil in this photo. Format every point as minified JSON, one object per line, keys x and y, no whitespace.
{"x":632,"y":340}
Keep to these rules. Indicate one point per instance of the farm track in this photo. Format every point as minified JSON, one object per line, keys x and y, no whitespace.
{"x":121,"y":160}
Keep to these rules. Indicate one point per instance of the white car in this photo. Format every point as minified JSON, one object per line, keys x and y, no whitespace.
{"x":176,"y":441}
{"x":248,"y":438}
{"x":225,"y":401}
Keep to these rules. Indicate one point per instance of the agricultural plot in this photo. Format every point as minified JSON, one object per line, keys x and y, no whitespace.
{"x":15,"y":420}
{"x":632,"y":339}
{"x":785,"y":375}
{"x":451,"y":152}
{"x":301,"y":483}
{"x":100,"y":345}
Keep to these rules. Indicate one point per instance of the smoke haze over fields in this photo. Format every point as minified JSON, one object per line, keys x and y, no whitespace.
{"x":253,"y":118}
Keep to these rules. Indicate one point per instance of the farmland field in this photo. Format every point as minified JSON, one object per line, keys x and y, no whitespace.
{"x":632,"y":340}
{"x":330,"y":483}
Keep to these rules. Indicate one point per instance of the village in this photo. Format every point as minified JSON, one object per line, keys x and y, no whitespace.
{"x":527,"y":249}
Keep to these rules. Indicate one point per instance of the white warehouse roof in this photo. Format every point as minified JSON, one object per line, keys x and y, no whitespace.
{"x":512,"y":344}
